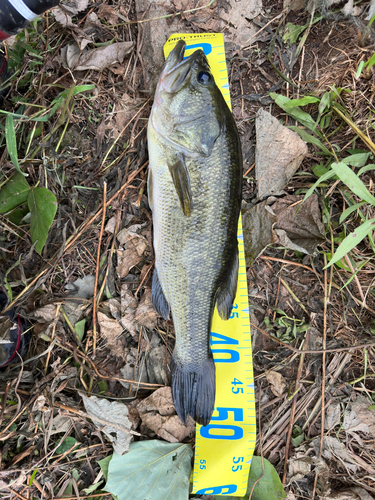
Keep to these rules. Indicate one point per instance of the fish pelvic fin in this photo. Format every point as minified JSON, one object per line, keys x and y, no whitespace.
{"x":227,"y":289}
{"x":193,"y":390}
{"x":158,"y":299}
{"x":180,"y":176}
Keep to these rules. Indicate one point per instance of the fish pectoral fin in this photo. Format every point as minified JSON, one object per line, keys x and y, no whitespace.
{"x":181,"y":181}
{"x":158,"y":299}
{"x":227,"y":289}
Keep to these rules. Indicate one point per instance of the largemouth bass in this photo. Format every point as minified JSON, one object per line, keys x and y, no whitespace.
{"x":194,"y":189}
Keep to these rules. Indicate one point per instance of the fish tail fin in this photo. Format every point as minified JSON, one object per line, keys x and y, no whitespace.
{"x":193,"y":390}
{"x":227,"y":290}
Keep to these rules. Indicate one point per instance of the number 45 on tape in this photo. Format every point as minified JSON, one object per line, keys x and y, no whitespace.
{"x":224,"y":447}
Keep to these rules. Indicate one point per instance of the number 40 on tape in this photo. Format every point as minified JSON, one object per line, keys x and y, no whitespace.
{"x":225,"y":446}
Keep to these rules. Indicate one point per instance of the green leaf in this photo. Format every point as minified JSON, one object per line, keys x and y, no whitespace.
{"x":324,"y":177}
{"x":354,"y":183}
{"x":79,"y":327}
{"x":10,"y":136}
{"x":310,"y":139}
{"x":371,"y":407}
{"x":151,"y":470}
{"x":303,"y":101}
{"x":14,"y":193}
{"x":17,"y":215}
{"x":319,"y":170}
{"x":352,"y":240}
{"x":370,"y":62}
{"x":350,"y":210}
{"x":292,"y":32}
{"x":43,"y":205}
{"x":325,"y":102}
{"x":268,"y":485}
{"x":360,"y":68}
{"x":295,"y":112}
{"x":356,"y":160}
{"x":104,"y":464}
{"x":366,"y":169}
{"x":66,"y":445}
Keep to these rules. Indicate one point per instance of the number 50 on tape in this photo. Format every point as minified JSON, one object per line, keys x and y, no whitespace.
{"x":225,"y":446}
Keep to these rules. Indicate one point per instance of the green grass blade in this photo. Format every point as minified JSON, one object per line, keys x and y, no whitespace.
{"x":352,"y":240}
{"x":366,"y":169}
{"x":354,"y":183}
{"x":321,"y":179}
{"x":297,"y":113}
{"x":301,"y":102}
{"x":311,"y":139}
{"x":350,"y":210}
{"x":10,"y":136}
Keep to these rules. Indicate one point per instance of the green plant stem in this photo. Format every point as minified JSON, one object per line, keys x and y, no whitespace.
{"x":353,"y":126}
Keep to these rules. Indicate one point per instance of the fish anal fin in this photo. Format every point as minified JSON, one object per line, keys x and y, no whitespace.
{"x":158,"y":299}
{"x":227,"y":289}
{"x":180,"y":176}
{"x":193,"y":390}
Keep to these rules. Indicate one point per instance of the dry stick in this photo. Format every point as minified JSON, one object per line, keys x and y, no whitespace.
{"x":355,"y":278}
{"x":15,"y":493}
{"x":294,"y":404}
{"x":94,"y":304}
{"x":289,"y":262}
{"x":352,"y":125}
{"x":73,"y":239}
{"x":321,"y":351}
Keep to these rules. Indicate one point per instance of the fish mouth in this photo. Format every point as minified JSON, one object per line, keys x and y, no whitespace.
{"x":177,"y":68}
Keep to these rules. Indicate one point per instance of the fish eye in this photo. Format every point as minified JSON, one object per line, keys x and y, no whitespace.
{"x":204,"y":77}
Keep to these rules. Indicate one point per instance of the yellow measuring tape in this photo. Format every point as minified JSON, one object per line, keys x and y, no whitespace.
{"x":224,"y":447}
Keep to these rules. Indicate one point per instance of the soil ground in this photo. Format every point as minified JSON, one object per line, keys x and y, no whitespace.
{"x":100,"y":153}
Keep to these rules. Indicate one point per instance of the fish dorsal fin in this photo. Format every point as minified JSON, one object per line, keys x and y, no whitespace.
{"x":180,"y":176}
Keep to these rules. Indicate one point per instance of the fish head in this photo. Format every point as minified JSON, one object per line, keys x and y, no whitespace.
{"x":188,"y":107}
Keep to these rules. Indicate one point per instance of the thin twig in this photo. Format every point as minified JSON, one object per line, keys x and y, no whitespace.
{"x":289,"y":262}
{"x":294,"y":404}
{"x":94,"y":303}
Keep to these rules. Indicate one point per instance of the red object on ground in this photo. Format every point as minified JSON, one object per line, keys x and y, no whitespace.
{"x":3,"y":35}
{"x":16,"y":343}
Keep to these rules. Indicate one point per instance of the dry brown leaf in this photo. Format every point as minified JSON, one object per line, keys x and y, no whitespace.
{"x":135,"y":246}
{"x":257,"y":230}
{"x":360,"y":418}
{"x":134,"y":368}
{"x":65,"y":11}
{"x":279,"y":153}
{"x":112,"y":330}
{"x":95,"y":59}
{"x":299,"y":225}
{"x":145,"y":314}
{"x":159,"y":414}
{"x":108,"y":13}
{"x":117,"y":424}
{"x":277,"y":381}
